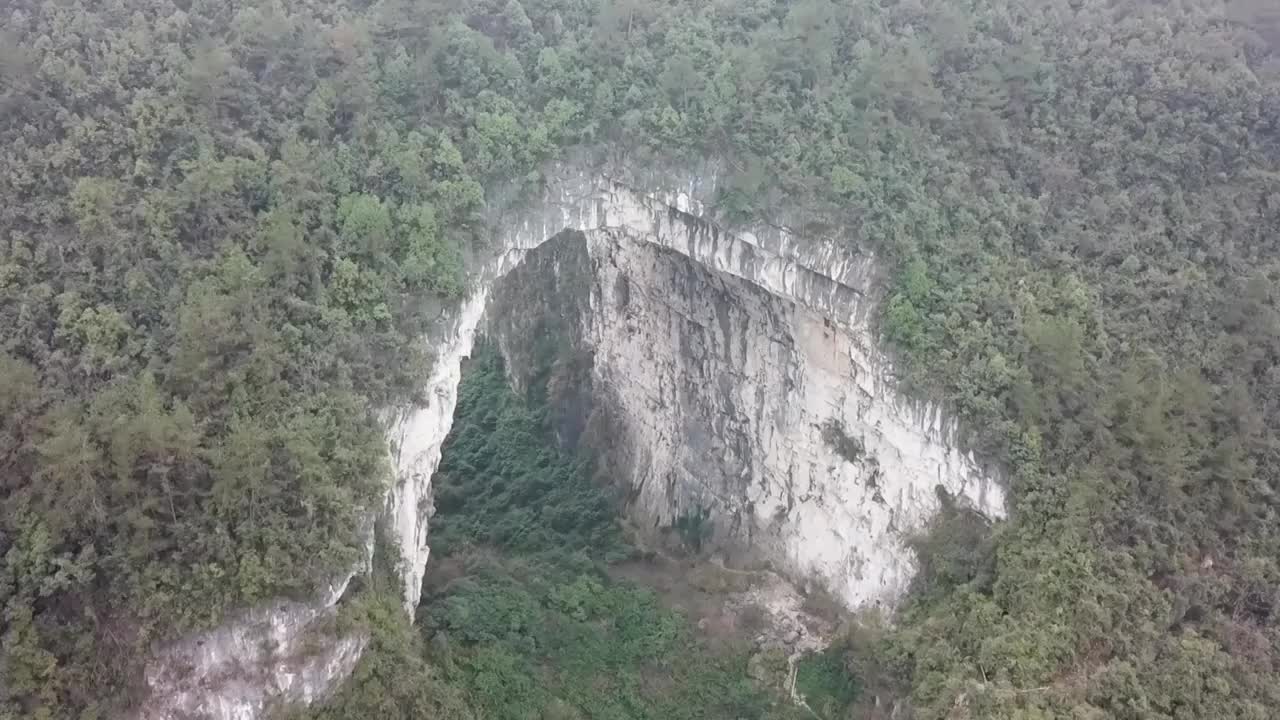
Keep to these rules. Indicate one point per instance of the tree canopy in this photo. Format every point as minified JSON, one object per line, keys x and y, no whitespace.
{"x":226,"y":222}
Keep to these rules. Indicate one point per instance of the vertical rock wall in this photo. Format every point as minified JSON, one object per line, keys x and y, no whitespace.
{"x":766,"y":427}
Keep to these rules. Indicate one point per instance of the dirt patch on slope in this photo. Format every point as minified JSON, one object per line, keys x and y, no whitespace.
{"x":753,"y":609}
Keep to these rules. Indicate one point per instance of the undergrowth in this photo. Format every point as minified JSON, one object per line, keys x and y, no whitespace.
{"x":519,"y":620}
{"x":825,"y":683}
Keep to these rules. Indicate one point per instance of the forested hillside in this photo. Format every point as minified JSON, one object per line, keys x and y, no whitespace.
{"x":223,"y":223}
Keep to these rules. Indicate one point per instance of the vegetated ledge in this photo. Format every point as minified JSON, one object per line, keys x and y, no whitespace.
{"x":236,"y":670}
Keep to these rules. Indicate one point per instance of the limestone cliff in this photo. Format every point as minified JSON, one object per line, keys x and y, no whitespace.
{"x":768,"y":427}
{"x":742,"y":380}
{"x":744,"y":375}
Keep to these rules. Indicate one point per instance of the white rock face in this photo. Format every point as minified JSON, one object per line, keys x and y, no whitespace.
{"x":778,"y":423}
{"x":282,"y":653}
{"x":726,"y":373}
{"x":732,"y":353}
{"x":416,"y":434}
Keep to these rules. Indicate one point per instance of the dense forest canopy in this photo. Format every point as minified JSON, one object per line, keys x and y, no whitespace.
{"x":224,"y":223}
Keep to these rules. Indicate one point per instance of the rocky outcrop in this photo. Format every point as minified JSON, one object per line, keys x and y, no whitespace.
{"x":748,"y":393}
{"x":767,"y":426}
{"x":283,"y":653}
{"x":416,"y":434}
{"x":829,"y":283}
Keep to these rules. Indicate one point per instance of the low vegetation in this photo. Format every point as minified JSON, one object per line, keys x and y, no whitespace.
{"x":824,"y":684}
